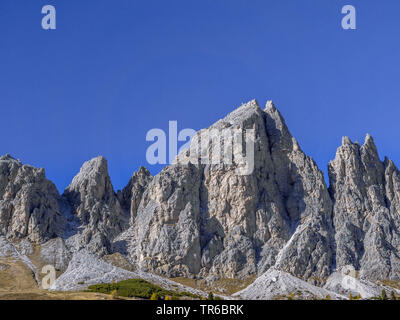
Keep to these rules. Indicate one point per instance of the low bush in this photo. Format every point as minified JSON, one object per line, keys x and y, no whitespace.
{"x":138,"y":288}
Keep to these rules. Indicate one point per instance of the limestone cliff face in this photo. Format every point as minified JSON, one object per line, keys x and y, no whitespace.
{"x":131,"y":195}
{"x":366,"y":195}
{"x":207,"y":220}
{"x":213,"y":220}
{"x":94,"y":206}
{"x":29,"y":203}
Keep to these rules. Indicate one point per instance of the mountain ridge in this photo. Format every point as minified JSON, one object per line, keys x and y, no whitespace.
{"x":204,"y":221}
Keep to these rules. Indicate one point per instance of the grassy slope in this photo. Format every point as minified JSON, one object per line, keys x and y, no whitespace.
{"x":17,"y":282}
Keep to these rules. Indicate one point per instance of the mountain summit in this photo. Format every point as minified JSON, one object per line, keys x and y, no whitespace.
{"x":205,"y":221}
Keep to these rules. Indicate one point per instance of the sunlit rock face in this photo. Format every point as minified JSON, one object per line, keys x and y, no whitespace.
{"x":94,"y":208}
{"x":366,"y":194}
{"x":214,"y":220}
{"x":29,"y":203}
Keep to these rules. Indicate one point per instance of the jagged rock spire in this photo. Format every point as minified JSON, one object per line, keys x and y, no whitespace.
{"x":93,"y":201}
{"x":361,"y":186}
{"x":28,"y":203}
{"x":131,"y":195}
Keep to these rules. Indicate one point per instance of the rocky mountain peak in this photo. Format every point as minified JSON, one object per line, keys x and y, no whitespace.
{"x":244,"y":114}
{"x":369,"y":139}
{"x":208,"y":221}
{"x":205,"y":220}
{"x":92,"y":179}
{"x":369,"y":146}
{"x":279,"y":135}
{"x":29,"y":203}
{"x":270,"y":107}
{"x":93,"y":201}
{"x":131,"y":195}
{"x":360,"y":188}
{"x":346,"y":140}
{"x":8,"y":157}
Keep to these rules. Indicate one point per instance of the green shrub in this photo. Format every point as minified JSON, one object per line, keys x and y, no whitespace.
{"x":102,"y":288}
{"x":189,"y":294}
{"x":138,"y":288}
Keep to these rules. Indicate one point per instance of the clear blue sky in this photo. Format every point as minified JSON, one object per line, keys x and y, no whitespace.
{"x":115,"y":69}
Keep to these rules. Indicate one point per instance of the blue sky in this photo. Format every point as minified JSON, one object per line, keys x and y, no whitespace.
{"x":112,"y":70}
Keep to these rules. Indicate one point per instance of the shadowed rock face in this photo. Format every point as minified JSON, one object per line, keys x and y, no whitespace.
{"x":208,"y":221}
{"x":366,"y":195}
{"x":131,"y":195}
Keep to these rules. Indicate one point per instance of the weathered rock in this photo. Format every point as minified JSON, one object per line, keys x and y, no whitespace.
{"x":166,"y":226}
{"x":94,"y":204}
{"x":366,"y":195}
{"x":29,"y":203}
{"x":208,"y":220}
{"x":346,"y":285}
{"x":276,"y":284}
{"x":131,"y":195}
{"x":54,"y":252}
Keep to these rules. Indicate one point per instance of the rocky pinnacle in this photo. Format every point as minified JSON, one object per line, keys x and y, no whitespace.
{"x":206,"y":221}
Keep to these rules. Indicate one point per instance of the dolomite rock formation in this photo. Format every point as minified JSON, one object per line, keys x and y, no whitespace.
{"x":29,"y":203}
{"x":131,"y":195}
{"x":94,"y":207}
{"x":207,"y":220}
{"x":366,"y":195}
{"x":204,"y":220}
